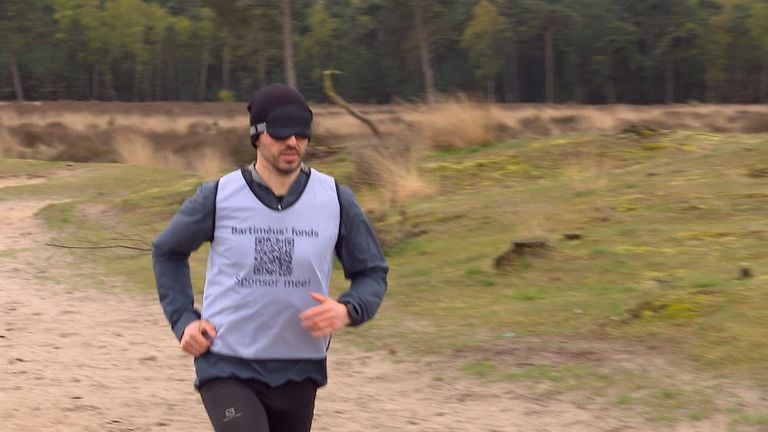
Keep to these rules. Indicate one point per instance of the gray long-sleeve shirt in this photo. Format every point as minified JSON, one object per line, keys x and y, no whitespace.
{"x":357,"y":248}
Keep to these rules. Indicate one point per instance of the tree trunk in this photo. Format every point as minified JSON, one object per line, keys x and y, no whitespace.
{"x":491,"y":90}
{"x":288,"y":66}
{"x":167,"y":78}
{"x":16,"y":76}
{"x":262,"y":67}
{"x":156,"y":75}
{"x":763,"y":81}
{"x":669,"y":77}
{"x":424,"y":53}
{"x":709,"y":91}
{"x":109,"y":87}
{"x":95,"y":83}
{"x":549,"y":65}
{"x":226,"y":61}
{"x":138,"y":87}
{"x":203,"y":77}
{"x":610,"y":90}
{"x":512,"y":79}
{"x":157,"y":71}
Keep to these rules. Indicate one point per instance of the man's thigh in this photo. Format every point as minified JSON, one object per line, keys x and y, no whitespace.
{"x":290,"y":407}
{"x":233,"y":406}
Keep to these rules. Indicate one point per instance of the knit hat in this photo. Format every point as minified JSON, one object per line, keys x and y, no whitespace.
{"x":281,"y":111}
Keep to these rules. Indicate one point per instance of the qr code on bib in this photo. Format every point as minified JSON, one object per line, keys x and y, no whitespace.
{"x":274,"y":256}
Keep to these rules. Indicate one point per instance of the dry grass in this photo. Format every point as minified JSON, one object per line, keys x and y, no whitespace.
{"x":391,"y":165}
{"x":89,"y":121}
{"x":136,"y":149}
{"x":9,"y":146}
{"x":210,"y":137}
{"x":458,"y":125}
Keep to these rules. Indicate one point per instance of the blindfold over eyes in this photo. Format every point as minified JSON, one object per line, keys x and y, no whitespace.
{"x":286,"y":121}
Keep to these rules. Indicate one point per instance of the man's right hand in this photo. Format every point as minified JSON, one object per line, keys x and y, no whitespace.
{"x":197,"y":337}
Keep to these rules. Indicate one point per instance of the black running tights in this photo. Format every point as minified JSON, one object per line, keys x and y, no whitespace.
{"x":236,"y":405}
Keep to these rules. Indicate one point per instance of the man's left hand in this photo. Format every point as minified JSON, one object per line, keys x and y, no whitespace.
{"x":325,"y":318}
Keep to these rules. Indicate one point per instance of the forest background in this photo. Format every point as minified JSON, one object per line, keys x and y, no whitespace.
{"x":580,"y":51}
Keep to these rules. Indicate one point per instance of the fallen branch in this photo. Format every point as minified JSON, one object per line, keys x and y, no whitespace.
{"x":335,"y":98}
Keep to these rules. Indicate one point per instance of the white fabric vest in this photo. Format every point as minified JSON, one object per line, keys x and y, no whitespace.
{"x":263,"y":265}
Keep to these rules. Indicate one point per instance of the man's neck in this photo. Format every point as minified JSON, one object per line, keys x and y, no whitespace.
{"x":277,"y":181}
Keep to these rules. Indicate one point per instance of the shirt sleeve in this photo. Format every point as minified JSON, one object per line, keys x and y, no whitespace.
{"x":189,"y":228}
{"x":361,"y":258}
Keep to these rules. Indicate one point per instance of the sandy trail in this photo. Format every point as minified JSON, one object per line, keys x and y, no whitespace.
{"x":89,"y":358}
{"x":79,"y":359}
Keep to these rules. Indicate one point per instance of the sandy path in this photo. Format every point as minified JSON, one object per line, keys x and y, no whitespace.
{"x":89,"y":359}
{"x":77,"y":359}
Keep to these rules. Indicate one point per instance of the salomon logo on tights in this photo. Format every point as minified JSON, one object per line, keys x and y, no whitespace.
{"x":231,"y":414}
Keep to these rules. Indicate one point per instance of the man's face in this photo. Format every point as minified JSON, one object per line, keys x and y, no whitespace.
{"x":283,"y":156}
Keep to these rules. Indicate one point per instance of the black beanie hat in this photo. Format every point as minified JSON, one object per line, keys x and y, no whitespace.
{"x":281,"y":111}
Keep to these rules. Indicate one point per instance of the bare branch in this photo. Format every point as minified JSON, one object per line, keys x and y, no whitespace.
{"x":338,"y":100}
